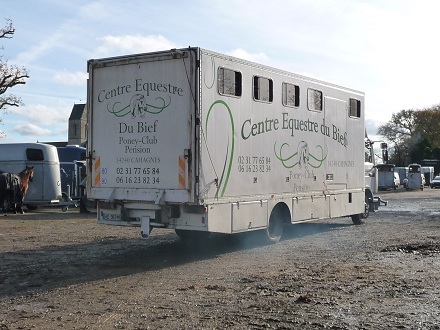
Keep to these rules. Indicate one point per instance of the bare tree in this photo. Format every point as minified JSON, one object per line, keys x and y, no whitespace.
{"x":10,"y":75}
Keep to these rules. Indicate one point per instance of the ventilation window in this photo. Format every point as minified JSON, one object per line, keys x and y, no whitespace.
{"x":355,"y":108}
{"x":229,"y":82}
{"x":290,"y":95}
{"x":263,"y":89}
{"x":314,"y":99}
{"x":34,"y":154}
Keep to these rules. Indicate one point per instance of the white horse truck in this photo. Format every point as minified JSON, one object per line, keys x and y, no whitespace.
{"x":202,"y":142}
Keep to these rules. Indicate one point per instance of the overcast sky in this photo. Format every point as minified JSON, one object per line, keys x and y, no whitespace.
{"x":388,"y":49}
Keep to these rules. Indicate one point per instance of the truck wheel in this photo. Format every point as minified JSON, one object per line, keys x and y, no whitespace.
{"x":357,"y":219}
{"x":65,"y":208}
{"x":272,"y":234}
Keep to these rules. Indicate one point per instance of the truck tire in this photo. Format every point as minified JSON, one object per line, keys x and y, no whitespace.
{"x":272,"y":234}
{"x":358,"y":219}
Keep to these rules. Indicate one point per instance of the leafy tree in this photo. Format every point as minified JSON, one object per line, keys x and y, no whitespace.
{"x":400,"y":131}
{"x":415,"y":134}
{"x":10,"y":75}
{"x":400,"y":127}
{"x":428,"y":124}
{"x":421,"y":150}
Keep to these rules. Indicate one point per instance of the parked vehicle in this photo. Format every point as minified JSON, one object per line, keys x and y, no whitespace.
{"x":72,"y":170}
{"x":388,"y":177}
{"x":435,"y":183}
{"x":403,"y":173}
{"x":416,"y":179}
{"x":428,"y":173}
{"x":45,"y":189}
{"x":203,"y":142}
{"x":371,"y":177}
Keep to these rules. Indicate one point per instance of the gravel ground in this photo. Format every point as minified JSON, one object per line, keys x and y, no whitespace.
{"x":63,"y":270}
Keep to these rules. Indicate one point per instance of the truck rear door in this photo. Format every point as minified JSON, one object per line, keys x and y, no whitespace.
{"x":140,"y":126}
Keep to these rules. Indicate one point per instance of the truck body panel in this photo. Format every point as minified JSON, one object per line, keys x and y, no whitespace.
{"x":197,"y":140}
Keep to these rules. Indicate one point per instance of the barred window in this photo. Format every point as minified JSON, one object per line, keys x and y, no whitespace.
{"x":290,"y":95}
{"x":314,"y":99}
{"x":355,"y":108}
{"x":229,"y":82}
{"x":263,"y":89}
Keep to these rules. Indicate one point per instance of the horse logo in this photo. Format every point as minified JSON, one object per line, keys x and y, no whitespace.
{"x":138,"y":105}
{"x":303,"y":155}
{"x":302,"y":158}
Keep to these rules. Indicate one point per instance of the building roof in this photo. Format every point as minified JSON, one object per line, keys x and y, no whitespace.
{"x":77,"y":111}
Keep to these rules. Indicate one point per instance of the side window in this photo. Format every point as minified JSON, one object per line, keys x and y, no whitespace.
{"x":263,"y":89}
{"x":290,"y":95}
{"x":229,"y":82}
{"x":355,"y":108}
{"x":314,"y":99}
{"x":34,"y":154}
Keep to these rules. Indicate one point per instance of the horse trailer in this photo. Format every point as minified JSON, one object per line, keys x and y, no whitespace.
{"x":416,"y":179}
{"x":388,"y":177}
{"x":202,"y":142}
{"x":45,"y":188}
{"x":72,"y":170}
{"x":428,"y":172}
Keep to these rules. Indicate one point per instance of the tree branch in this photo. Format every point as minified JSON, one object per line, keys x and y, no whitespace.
{"x":7,"y":31}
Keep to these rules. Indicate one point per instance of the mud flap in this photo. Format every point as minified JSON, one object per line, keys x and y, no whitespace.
{"x":145,"y":227}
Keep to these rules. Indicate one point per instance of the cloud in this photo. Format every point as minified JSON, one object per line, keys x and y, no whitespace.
{"x":372,"y":125}
{"x":128,"y":44}
{"x":31,"y":130}
{"x":254,"y":57}
{"x":43,"y":115}
{"x":71,"y":78}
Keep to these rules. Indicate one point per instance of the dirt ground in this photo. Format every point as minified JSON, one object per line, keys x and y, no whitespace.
{"x":63,"y":270}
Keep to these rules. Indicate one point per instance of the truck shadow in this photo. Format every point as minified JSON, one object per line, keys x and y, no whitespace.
{"x":39,"y":270}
